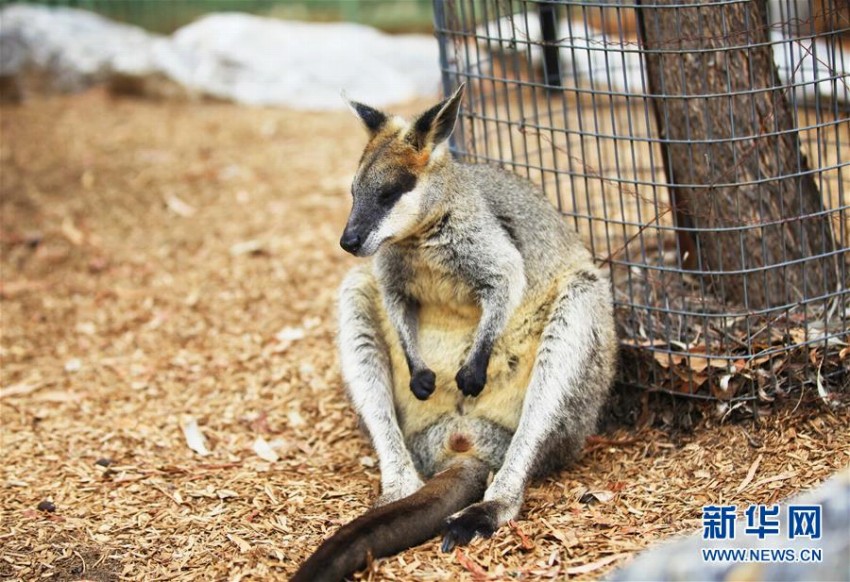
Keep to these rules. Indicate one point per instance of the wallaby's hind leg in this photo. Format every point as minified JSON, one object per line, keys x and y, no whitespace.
{"x":366,"y":370}
{"x":568,"y":385}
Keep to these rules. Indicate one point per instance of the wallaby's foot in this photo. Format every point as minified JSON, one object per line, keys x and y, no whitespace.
{"x":472,"y":377}
{"x":480,"y":519}
{"x":423,"y":383}
{"x":400,"y":487}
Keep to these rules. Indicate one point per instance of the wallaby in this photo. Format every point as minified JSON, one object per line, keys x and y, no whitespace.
{"x":390,"y":205}
{"x":473,"y":270}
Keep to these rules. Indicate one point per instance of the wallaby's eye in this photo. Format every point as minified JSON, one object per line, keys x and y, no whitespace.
{"x":391,"y":192}
{"x":389,"y":196}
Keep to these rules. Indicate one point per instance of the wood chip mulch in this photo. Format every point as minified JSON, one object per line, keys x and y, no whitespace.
{"x":170,"y":399}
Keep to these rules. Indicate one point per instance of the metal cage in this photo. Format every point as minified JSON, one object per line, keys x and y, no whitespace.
{"x":701,"y":148}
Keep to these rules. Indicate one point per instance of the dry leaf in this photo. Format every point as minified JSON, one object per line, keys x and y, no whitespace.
{"x":243,"y":545}
{"x":697,"y":363}
{"x":666,"y":360}
{"x":600,"y":495}
{"x":264,"y":450}
{"x":20,"y":389}
{"x":780,"y":477}
{"x":290,"y":334}
{"x":194,"y":438}
{"x":470,"y":565}
{"x":295,"y":419}
{"x":700,"y":363}
{"x":179,"y":207}
{"x":750,"y":474}
{"x":87,"y":179}
{"x":59,"y":396}
{"x":798,"y":335}
{"x":601,"y":563}
{"x":644,"y":343}
{"x":86,"y":327}
{"x":73,"y":365}
{"x":11,"y":289}
{"x":248,"y":247}
{"x":524,"y":540}
{"x":822,"y":391}
{"x":724,"y":382}
{"x":72,"y":233}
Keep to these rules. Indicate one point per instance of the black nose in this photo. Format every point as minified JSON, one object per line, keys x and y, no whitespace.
{"x":350,"y":241}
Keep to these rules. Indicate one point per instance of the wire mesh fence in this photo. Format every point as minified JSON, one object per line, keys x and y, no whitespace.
{"x":702,"y":150}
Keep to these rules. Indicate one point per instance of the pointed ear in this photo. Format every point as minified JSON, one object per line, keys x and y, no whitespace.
{"x":373,"y":119}
{"x":436,"y":125}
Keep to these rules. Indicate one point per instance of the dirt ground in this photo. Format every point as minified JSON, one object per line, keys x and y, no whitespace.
{"x":163,"y":263}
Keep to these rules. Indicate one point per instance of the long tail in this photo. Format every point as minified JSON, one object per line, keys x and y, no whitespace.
{"x":399,"y":525}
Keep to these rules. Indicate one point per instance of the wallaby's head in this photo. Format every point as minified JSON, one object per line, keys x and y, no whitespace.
{"x":390,"y":188}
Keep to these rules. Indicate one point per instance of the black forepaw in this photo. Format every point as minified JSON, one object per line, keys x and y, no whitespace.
{"x":471,"y":379}
{"x":423,"y":383}
{"x":476,"y":520}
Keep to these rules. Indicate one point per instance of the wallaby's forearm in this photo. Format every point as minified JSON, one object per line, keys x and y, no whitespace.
{"x":404,"y":314}
{"x":472,"y":376}
{"x":500,"y":290}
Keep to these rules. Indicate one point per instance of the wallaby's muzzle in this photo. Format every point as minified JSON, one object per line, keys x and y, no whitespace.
{"x":351,"y":240}
{"x":359,"y":236}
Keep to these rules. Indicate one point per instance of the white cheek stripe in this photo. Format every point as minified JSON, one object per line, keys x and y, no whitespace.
{"x":402,"y":217}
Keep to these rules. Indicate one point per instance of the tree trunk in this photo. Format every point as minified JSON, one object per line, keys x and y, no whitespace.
{"x":732,"y":155}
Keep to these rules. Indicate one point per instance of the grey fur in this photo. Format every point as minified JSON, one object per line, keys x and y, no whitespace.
{"x":427,"y":446}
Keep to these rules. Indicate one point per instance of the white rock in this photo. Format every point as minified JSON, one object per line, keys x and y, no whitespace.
{"x":74,"y":47}
{"x":263,"y":61}
{"x":237,"y":57}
